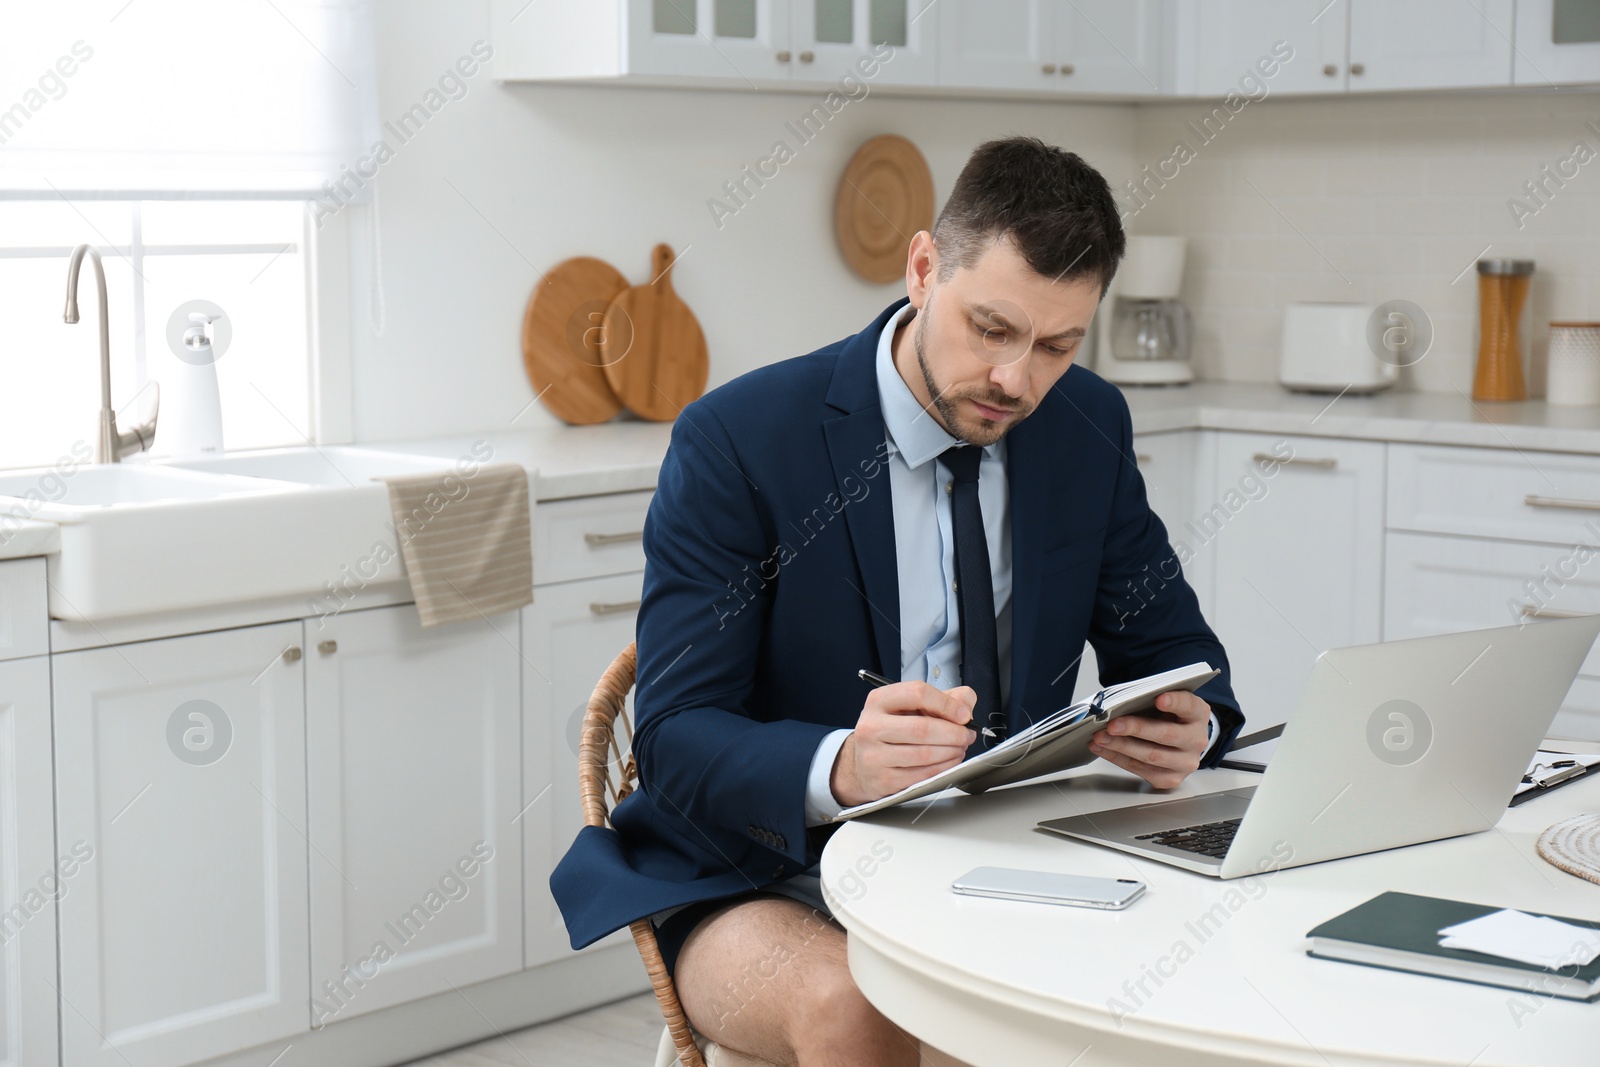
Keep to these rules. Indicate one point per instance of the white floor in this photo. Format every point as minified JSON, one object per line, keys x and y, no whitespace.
{"x":624,"y":1034}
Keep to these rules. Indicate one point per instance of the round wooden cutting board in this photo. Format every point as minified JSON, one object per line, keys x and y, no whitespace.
{"x":885,"y":196}
{"x":561,"y":332}
{"x":651,"y":347}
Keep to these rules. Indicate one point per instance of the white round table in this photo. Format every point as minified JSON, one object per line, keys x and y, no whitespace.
{"x":1199,"y":971}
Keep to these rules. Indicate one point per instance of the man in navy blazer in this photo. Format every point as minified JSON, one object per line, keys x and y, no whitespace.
{"x":793,"y":510}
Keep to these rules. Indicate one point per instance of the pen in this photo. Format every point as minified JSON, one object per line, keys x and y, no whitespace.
{"x":877,"y":680}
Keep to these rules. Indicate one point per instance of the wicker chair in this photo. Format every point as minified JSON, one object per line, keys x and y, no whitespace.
{"x":606,"y":774}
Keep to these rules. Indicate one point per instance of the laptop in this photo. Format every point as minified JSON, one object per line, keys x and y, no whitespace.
{"x":1391,"y":744}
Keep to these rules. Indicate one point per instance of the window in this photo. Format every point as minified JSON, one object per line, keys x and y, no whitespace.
{"x":182,"y":139}
{"x":247,"y":257}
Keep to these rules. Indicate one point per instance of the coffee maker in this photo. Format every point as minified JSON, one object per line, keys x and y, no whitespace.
{"x":1143,"y":326}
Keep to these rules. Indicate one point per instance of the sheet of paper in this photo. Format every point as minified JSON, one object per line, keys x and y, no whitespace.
{"x":1516,"y":935}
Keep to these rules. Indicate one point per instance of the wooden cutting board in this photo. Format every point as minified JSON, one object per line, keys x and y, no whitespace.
{"x":884,"y":197}
{"x":651,"y":347}
{"x":561,"y":332}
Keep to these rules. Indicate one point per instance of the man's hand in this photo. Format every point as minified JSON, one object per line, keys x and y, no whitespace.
{"x":1161,"y":750}
{"x":907,"y":731}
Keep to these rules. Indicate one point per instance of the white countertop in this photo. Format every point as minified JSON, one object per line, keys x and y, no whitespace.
{"x":1418,"y":418}
{"x":626,"y":455}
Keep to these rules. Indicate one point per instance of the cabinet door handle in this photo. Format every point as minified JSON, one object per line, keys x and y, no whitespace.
{"x":1534,"y":500}
{"x":614,"y":608}
{"x":291,"y":654}
{"x":1330,"y":70}
{"x":1068,"y":68}
{"x":597,"y":540}
{"x":1529,"y":611}
{"x":327,"y":648}
{"x":1358,"y":68}
{"x":806,"y":57}
{"x":783,"y":57}
{"x":1325,"y":462}
{"x":1049,"y":68}
{"x":1141,"y":458}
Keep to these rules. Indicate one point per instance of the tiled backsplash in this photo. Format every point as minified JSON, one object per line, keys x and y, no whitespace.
{"x":1372,"y":199}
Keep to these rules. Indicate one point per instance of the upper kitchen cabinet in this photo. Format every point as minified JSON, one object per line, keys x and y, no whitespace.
{"x":1558,"y":42}
{"x":745,"y":39}
{"x":733,"y":43}
{"x":835,"y":37}
{"x":1287,"y":46}
{"x":1111,"y":46}
{"x":1429,"y":44}
{"x":1000,"y":44}
{"x":1056,"y":46}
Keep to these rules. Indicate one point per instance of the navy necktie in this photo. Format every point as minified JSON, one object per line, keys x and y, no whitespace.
{"x":980,"y":648}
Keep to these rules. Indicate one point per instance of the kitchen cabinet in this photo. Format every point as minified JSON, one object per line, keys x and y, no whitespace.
{"x":739,"y":43}
{"x":413,"y":785}
{"x":835,"y":37}
{"x":1055,"y":46}
{"x":1435,"y":585}
{"x":1493,"y":537}
{"x":570,"y":634}
{"x":1232,"y":36}
{"x":181,"y":763}
{"x":999,"y":44}
{"x":1558,"y":51}
{"x":1429,"y":44}
{"x":31,"y":877}
{"x":745,"y":39}
{"x":1297,"y":529}
{"x":1111,"y":46}
{"x":24,"y":610}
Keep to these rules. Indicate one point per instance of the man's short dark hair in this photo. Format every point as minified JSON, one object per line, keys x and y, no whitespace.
{"x":1056,"y":209}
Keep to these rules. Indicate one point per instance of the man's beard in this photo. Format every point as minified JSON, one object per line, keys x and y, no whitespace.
{"x":987,"y":433}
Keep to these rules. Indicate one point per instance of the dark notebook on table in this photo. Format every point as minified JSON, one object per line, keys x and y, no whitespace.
{"x":1400,"y":931}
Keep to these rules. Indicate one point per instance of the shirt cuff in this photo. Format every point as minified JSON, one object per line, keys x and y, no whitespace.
{"x":1213,"y":731}
{"x":820,"y":802}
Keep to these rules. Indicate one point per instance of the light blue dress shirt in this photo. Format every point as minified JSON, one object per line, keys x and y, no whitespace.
{"x":930,"y":630}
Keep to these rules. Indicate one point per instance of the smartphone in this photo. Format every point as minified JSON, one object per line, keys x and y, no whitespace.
{"x":1048,"y":887}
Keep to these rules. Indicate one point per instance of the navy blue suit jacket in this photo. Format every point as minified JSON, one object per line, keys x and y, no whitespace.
{"x":770,"y":578}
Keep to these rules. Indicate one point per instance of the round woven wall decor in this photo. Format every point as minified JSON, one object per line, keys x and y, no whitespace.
{"x":885,"y":196}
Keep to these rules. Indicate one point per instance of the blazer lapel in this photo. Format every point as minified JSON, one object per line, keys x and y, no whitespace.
{"x":855,"y":450}
{"x":1028,"y":484}
{"x":852,"y":440}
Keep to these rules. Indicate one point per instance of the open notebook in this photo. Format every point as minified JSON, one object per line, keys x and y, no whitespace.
{"x":1058,"y":742}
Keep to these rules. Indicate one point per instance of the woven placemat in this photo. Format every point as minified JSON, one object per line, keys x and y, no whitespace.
{"x":1574,"y":846}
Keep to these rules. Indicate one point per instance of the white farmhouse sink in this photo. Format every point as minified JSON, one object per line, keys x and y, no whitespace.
{"x":330,"y":465}
{"x":304,"y":527}
{"x":62,"y":496}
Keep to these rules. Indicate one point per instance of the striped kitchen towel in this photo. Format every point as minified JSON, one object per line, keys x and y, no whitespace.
{"x":466,"y":539}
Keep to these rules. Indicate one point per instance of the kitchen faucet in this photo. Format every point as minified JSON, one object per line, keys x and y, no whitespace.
{"x":113,"y":444}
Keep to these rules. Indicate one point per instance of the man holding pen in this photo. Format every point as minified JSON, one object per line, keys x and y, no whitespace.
{"x":942,"y":499}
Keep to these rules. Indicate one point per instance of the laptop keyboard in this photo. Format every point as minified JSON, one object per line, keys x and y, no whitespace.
{"x":1206,"y":839}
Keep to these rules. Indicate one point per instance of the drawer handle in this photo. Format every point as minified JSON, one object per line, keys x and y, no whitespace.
{"x":613,"y":608}
{"x":594,"y":540}
{"x":1327,"y":463}
{"x":1534,"y":500}
{"x":1531,"y":612}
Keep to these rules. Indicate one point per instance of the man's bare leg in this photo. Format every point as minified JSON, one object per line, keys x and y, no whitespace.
{"x":768,"y":977}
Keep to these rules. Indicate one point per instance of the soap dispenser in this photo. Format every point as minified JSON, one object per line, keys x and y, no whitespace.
{"x":192,"y":423}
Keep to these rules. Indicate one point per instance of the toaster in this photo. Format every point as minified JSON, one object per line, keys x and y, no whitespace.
{"x":1325,"y":349}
